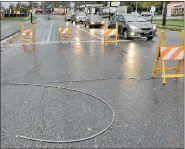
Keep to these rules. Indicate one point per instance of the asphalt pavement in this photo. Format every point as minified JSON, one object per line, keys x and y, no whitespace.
{"x":33,"y":103}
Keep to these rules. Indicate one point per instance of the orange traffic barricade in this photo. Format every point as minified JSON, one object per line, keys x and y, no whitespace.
{"x":109,"y":32}
{"x":169,"y":53}
{"x":64,"y":31}
{"x":27,"y":34}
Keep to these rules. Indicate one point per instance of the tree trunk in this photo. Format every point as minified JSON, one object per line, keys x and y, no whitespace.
{"x":164,"y":13}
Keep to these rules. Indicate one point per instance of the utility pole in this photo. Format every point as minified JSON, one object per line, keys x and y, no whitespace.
{"x":31,"y":10}
{"x":109,"y":9}
{"x":136,"y":6}
{"x":164,"y":13}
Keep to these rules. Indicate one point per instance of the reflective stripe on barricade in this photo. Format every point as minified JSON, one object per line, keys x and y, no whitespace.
{"x":110,"y":33}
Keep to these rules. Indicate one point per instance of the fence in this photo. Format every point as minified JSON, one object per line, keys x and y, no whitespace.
{"x":16,"y":15}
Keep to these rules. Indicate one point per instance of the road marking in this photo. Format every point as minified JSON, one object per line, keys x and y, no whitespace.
{"x":48,"y":38}
{"x":89,"y":32}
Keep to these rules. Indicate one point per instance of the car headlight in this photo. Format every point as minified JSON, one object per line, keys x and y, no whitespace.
{"x":102,"y":22}
{"x":154,"y":26}
{"x":133,"y":27}
{"x":77,"y":17}
{"x":92,"y":22}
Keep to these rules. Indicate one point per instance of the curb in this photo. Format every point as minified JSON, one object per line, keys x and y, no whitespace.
{"x":9,"y":37}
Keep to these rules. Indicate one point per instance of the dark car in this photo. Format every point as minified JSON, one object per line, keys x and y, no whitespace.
{"x":67,"y":17}
{"x":93,"y":20}
{"x":133,"y":26}
{"x":78,"y":17}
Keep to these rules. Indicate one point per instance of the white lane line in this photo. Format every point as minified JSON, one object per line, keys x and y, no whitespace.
{"x":48,"y":38}
{"x":90,"y":33}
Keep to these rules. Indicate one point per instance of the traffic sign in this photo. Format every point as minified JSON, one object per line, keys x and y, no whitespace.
{"x":115,"y":4}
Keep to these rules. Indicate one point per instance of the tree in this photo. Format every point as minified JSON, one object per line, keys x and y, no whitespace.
{"x":17,"y":7}
{"x":12,"y":7}
{"x":24,"y":8}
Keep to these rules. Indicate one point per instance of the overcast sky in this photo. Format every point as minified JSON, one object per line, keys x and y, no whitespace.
{"x":6,"y":4}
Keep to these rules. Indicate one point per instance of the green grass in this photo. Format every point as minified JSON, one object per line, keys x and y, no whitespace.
{"x":173,"y":28}
{"x":172,"y":22}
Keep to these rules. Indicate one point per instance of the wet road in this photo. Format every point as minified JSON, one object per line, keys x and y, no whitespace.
{"x":147,"y":114}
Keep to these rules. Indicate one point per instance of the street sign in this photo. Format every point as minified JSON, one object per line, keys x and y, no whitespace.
{"x":113,"y":4}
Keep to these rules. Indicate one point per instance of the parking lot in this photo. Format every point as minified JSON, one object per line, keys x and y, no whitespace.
{"x":121,"y":92}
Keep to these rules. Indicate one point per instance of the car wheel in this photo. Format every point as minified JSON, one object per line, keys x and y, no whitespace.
{"x":85,"y":25}
{"x":125,"y":34}
{"x":75,"y":23}
{"x":150,"y":38}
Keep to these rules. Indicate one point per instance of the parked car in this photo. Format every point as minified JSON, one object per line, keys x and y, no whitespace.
{"x":38,"y":10}
{"x":78,"y":17}
{"x":133,"y":26}
{"x":93,"y":20}
{"x":67,"y":17}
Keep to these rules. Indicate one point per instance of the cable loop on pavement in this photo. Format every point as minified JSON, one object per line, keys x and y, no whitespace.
{"x":67,"y":141}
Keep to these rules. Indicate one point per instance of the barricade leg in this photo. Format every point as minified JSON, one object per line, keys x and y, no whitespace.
{"x":163,"y":72}
{"x":22,"y":30}
{"x":59,"y":36}
{"x":155,"y":64}
{"x":116,"y":41}
{"x":180,"y":63}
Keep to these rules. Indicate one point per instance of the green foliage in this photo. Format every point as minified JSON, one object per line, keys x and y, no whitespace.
{"x":12,"y":6}
{"x":142,"y":5}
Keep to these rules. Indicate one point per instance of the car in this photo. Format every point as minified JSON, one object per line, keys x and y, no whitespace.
{"x":133,"y":26}
{"x":78,"y":17}
{"x":68,"y":17}
{"x":147,"y":15}
{"x":38,"y":10}
{"x":93,"y":20}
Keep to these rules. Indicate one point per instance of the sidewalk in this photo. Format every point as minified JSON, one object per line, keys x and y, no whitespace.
{"x":10,"y":27}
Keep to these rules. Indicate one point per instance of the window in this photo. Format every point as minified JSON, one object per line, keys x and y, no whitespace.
{"x":115,"y":18}
{"x":120,"y":17}
{"x":134,"y":18}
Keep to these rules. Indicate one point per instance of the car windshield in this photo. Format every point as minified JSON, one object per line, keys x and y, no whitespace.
{"x":95,"y":17}
{"x":80,"y":14}
{"x":134,"y":18}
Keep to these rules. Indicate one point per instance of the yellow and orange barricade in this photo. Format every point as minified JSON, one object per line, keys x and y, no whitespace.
{"x":109,"y":32}
{"x":166,"y":53}
{"x":27,"y":34}
{"x":64,"y":31}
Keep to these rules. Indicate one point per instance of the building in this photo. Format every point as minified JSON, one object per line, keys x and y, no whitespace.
{"x":91,"y":9}
{"x":175,"y":8}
